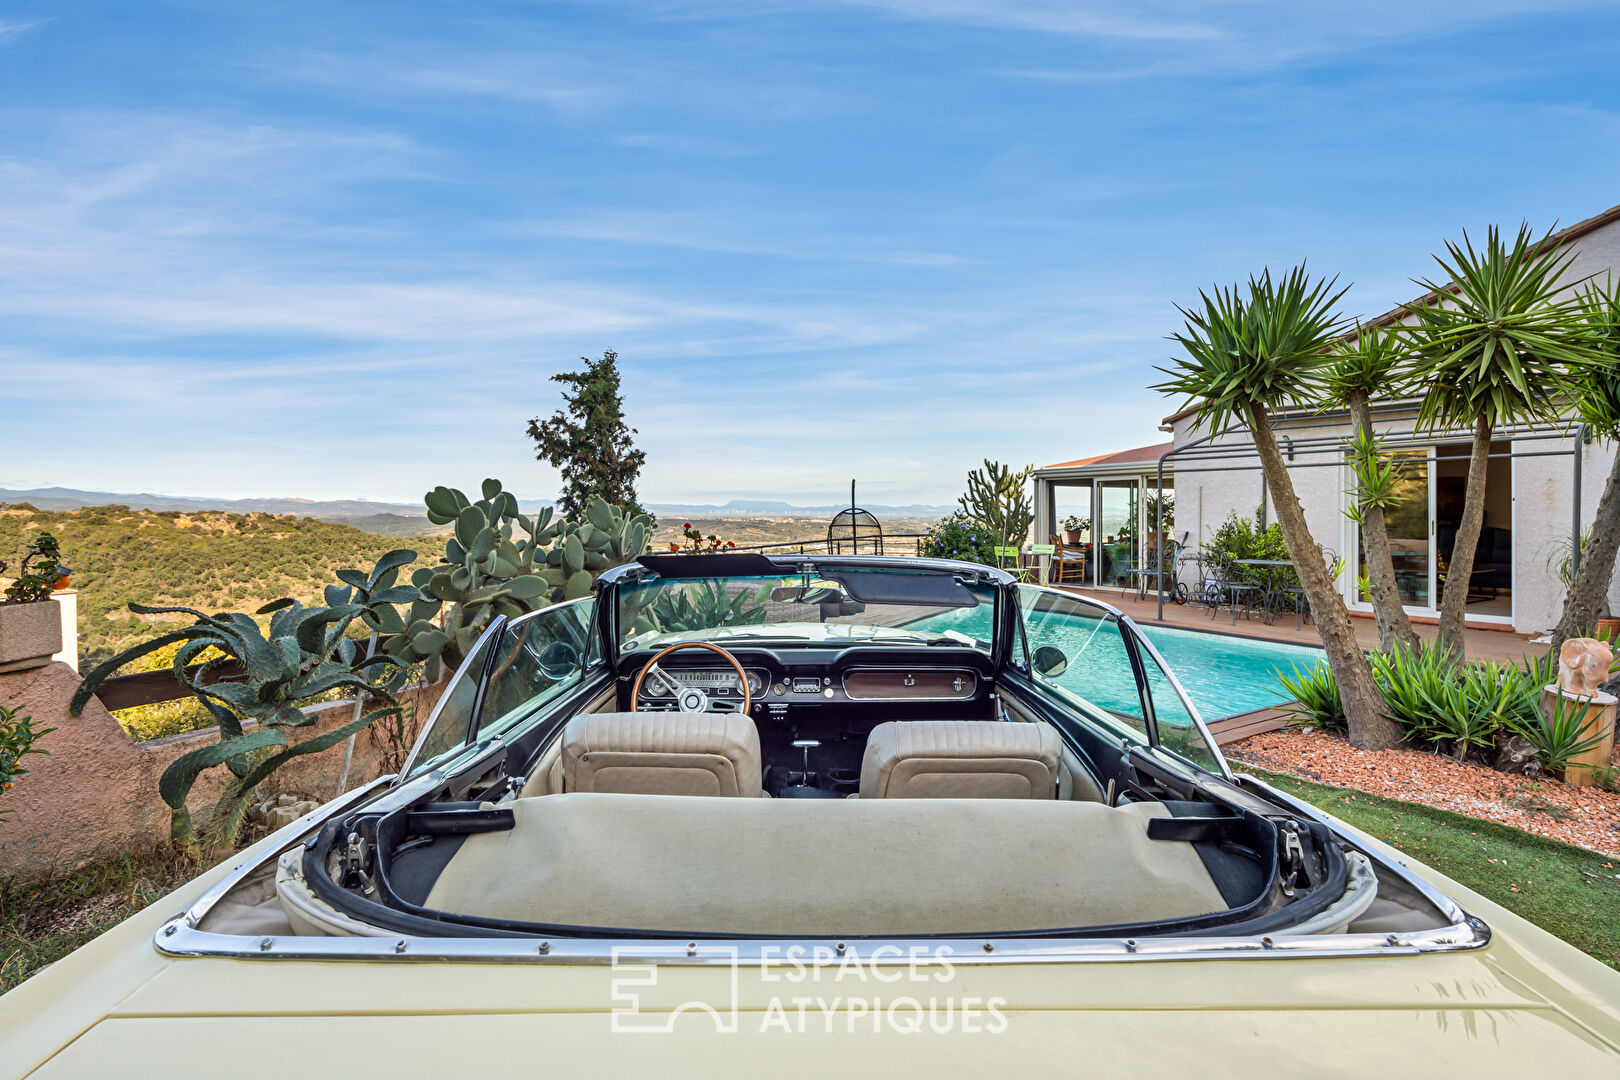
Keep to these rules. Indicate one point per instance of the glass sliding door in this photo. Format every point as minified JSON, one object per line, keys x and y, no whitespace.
{"x":1410,"y":524}
{"x":1070,"y":533}
{"x":1118,"y":531}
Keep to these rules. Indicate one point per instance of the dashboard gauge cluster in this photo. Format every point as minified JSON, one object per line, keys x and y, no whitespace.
{"x":717,"y":682}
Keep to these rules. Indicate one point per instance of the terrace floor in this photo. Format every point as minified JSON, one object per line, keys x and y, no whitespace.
{"x":1496,"y":645}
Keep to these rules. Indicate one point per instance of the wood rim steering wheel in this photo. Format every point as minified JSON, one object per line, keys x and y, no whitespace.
{"x":742,"y":676}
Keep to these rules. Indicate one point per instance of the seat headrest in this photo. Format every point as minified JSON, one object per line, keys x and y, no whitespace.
{"x":961,"y":759}
{"x":662,"y":753}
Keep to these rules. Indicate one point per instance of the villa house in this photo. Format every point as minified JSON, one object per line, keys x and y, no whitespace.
{"x":1540,"y":482}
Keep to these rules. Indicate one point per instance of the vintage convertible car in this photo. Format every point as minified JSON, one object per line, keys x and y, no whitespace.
{"x":751,"y":815}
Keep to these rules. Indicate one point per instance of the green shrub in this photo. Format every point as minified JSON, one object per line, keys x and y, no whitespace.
{"x":17,"y":738}
{"x":960,"y":537}
{"x":1316,"y":698}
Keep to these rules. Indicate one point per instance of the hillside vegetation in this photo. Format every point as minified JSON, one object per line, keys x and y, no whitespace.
{"x":212,"y":560}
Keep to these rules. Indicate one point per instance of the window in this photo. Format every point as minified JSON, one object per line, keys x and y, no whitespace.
{"x":540,"y":656}
{"x":448,"y":726}
{"x":1179,"y":733}
{"x":1078,"y":651}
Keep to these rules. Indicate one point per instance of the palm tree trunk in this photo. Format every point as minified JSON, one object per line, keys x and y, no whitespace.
{"x":1589,"y":592}
{"x":1370,"y":728}
{"x":1454,"y":600}
{"x":1394,"y":628}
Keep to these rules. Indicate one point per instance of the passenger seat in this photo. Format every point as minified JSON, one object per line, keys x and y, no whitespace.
{"x":662,"y":753}
{"x":961,"y":759}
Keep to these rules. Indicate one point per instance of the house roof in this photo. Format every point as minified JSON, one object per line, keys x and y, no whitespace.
{"x":1389,"y":318}
{"x":1117,"y":457}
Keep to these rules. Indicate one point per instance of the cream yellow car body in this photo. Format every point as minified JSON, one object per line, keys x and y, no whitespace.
{"x":1523,"y":1005}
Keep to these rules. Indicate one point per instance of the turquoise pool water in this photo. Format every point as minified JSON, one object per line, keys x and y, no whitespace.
{"x":1223,"y":675}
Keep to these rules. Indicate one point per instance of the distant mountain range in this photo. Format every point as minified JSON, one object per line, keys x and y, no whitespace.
{"x":409,"y":519}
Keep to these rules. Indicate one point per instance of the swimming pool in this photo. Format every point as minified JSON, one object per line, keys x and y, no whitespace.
{"x":1223,"y":674}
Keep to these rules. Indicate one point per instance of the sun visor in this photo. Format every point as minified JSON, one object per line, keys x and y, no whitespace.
{"x":718,"y":565}
{"x":925,"y":590}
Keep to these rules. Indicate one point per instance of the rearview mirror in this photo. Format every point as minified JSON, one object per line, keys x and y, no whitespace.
{"x":1050,"y":661}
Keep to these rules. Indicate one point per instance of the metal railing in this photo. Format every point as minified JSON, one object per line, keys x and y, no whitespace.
{"x":820,"y":546}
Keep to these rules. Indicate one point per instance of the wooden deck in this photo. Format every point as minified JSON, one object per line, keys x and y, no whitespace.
{"x":1231,"y":729}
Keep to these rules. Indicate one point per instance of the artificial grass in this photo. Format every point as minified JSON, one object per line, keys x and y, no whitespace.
{"x":1568,"y":891}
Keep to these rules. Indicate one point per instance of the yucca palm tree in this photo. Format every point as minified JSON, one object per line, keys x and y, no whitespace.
{"x":1498,"y":343}
{"x":1356,"y":370}
{"x":1247,"y":357}
{"x":1599,"y":405}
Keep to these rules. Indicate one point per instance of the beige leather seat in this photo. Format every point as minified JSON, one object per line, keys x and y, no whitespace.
{"x":961,"y":759}
{"x":662,"y":753}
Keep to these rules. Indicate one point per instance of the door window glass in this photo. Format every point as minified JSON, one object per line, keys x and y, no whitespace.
{"x":540,"y":656}
{"x":1077,"y":651}
{"x":450,"y":723}
{"x":1178,"y":732}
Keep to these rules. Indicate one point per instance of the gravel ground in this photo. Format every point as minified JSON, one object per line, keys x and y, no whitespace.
{"x":1588,"y":817}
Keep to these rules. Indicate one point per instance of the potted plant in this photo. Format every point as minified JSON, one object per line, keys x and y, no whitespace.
{"x":1074,"y":529}
{"x":30,"y":620}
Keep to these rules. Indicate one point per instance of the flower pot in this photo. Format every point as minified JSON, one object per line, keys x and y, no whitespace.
{"x":1608,"y":629}
{"x":1073,"y":536}
{"x":30,"y":634}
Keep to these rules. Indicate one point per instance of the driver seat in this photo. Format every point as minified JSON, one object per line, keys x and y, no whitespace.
{"x":662,"y":753}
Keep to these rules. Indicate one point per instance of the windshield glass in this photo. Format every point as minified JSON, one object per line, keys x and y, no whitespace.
{"x":866,"y":606}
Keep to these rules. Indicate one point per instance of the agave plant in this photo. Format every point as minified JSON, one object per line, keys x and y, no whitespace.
{"x":697,"y":605}
{"x":303,"y":654}
{"x":1559,"y":735}
{"x":1315,"y":696}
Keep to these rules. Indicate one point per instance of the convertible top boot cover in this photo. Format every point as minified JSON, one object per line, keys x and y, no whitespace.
{"x":794,"y":867}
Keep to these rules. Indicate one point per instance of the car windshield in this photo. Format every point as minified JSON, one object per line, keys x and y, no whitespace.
{"x":867,"y":606}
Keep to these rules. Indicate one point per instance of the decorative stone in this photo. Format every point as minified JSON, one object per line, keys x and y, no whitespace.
{"x":1583,"y":666}
{"x":30,"y":634}
{"x":1514,"y":754}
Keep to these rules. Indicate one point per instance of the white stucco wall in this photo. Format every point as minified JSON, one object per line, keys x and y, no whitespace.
{"x":1542,"y":506}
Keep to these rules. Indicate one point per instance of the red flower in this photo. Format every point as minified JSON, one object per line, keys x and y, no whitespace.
{"x":688,"y":525}
{"x":731,"y":543}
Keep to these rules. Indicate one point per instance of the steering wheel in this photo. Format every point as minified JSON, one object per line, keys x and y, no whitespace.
{"x":691,"y":699}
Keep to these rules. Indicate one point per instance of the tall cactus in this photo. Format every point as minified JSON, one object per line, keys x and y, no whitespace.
{"x":998,"y":499}
{"x":501,"y":562}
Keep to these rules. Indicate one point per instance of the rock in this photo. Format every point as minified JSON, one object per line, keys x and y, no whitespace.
{"x":1514,"y":754}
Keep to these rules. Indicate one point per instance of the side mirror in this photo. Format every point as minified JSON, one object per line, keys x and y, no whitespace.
{"x":558,"y":660}
{"x":1050,"y":661}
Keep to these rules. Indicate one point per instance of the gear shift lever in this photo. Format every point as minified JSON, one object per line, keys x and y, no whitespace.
{"x":806,"y":745}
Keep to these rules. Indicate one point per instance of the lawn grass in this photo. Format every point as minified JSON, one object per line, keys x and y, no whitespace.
{"x":43,"y":923}
{"x":1566,"y":890}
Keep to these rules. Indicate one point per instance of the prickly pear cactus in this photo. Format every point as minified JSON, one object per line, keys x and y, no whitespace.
{"x":500,"y":562}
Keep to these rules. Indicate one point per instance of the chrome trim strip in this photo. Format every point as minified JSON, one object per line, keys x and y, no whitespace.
{"x":181,"y":937}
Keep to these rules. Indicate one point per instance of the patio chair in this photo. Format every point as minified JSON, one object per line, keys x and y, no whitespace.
{"x":1160,"y":565}
{"x":1234,"y":587}
{"x":1296,"y":591}
{"x":1017,"y":568}
{"x":1068,"y":562}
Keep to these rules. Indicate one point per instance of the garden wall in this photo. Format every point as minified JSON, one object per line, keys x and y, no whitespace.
{"x":95,"y":793}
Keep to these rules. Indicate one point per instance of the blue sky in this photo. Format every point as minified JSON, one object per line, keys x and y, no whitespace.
{"x":337,"y":249}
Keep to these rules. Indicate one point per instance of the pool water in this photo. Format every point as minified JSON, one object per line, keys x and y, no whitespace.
{"x":1224,"y":675}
